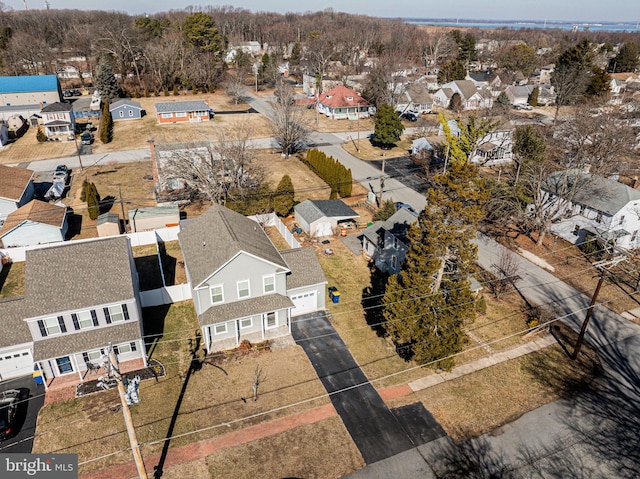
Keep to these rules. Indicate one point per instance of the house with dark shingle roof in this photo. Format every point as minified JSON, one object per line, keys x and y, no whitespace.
{"x":37,"y":222}
{"x":242,"y":286}
{"x":125,"y":109}
{"x":415,"y":98}
{"x":58,"y":120}
{"x":342,"y":103}
{"x":181,"y":111}
{"x":472,"y":97}
{"x":386,"y":242}
{"x":601,"y":207}
{"x":78,"y":298}
{"x":16,"y":189}
{"x":320,"y":218}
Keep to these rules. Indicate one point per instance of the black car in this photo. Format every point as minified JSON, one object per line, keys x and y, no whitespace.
{"x":409,"y":116}
{"x":9,"y":401}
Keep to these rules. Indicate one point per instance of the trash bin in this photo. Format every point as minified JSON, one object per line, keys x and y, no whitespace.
{"x":332,"y":289}
{"x":37,"y":376}
{"x":335,"y":296}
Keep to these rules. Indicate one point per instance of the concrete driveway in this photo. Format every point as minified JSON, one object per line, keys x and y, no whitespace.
{"x":27,"y":415}
{"x":378,"y":432}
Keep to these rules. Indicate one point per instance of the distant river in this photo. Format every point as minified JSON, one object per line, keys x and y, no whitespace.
{"x":515,"y":24}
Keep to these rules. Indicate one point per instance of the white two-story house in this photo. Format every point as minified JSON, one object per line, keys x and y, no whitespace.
{"x":243,"y":288}
{"x":58,"y":120}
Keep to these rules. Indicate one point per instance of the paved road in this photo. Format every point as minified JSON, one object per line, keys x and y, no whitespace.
{"x":378,"y":432}
{"x":23,"y":441}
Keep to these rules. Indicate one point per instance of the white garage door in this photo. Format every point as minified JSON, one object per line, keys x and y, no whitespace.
{"x":323,"y":229}
{"x":304,"y":303}
{"x":15,"y":363}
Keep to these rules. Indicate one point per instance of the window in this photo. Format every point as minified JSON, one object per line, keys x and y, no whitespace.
{"x":131,"y":113}
{"x":576,"y":230}
{"x":394,"y":262}
{"x":83,"y":320}
{"x":64,"y":365}
{"x":243,"y":289}
{"x":166,"y":115}
{"x":395,"y":242}
{"x":49,"y":326}
{"x":220,"y":328}
{"x":216,"y":294}
{"x":121,"y":113}
{"x":622,"y":220}
{"x":269,"y":284}
{"x":599,"y":218}
{"x":634,"y":235}
{"x":92,"y":355}
{"x":115,"y":313}
{"x":125,"y":348}
{"x":246,"y":323}
{"x":271,"y":320}
{"x":181,"y":114}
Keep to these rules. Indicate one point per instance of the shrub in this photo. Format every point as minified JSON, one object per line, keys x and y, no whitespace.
{"x":40,"y":135}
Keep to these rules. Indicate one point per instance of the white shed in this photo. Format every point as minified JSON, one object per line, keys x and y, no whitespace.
{"x":319,"y":218}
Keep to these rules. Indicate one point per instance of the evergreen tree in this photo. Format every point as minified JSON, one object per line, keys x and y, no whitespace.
{"x":533,"y":97}
{"x":296,"y":54}
{"x":626,"y":60}
{"x":91,"y":196}
{"x":503,"y":100}
{"x":386,"y":211}
{"x":600,"y":82}
{"x":427,"y":303}
{"x":454,"y":70}
{"x":41,"y":136}
{"x":284,"y":196}
{"x":388,"y":126}
{"x":106,"y":83}
{"x":106,"y":124}
{"x":455,"y":104}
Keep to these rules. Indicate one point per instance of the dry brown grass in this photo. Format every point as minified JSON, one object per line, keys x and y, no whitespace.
{"x":137,"y":192}
{"x":480,"y":402}
{"x":12,"y":280}
{"x":27,"y":149}
{"x":212,"y":398}
{"x":148,"y":267}
{"x":369,"y":152}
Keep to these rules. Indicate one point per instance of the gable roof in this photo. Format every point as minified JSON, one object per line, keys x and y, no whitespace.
{"x":124,"y":102}
{"x":180,"y":106}
{"x":13,"y":181}
{"x":418,"y":93}
{"x":37,"y":212}
{"x":466,"y":87}
{"x":600,"y":194}
{"x":312,"y":210}
{"x":397,"y":224}
{"x":28,"y":83}
{"x":305,"y":268}
{"x":219,"y":234}
{"x":339,"y":97}
{"x":76,"y":275}
{"x":14,"y":330}
{"x":57,"y":106}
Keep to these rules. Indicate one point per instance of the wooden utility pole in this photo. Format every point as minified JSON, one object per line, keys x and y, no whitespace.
{"x":358,"y":125}
{"x":133,"y":440}
{"x":124,"y":218}
{"x":78,"y":151}
{"x":603,"y":272}
{"x":381,"y":182}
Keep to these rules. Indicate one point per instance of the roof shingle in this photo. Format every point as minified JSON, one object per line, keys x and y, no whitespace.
{"x":14,"y":181}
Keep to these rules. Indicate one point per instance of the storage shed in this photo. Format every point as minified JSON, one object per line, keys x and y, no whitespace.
{"x":320,"y":217}
{"x":151,"y":218}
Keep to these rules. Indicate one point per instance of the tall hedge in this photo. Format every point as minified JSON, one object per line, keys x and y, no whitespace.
{"x":334,"y":173}
{"x":90,"y":195}
{"x":106,"y":124}
{"x":283,"y":196}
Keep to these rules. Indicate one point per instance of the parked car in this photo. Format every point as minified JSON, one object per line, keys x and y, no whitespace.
{"x":86,"y":138}
{"x":409,"y":116}
{"x":61,"y":173}
{"x":406,"y":206}
{"x":9,"y":402}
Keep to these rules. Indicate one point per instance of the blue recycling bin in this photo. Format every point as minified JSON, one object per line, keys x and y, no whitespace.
{"x":37,"y":376}
{"x":334,"y":294}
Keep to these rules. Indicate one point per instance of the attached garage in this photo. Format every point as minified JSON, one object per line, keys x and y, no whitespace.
{"x":304,"y":303}
{"x":15,"y":363}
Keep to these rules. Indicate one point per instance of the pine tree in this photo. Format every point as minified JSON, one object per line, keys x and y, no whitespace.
{"x":106,"y":124}
{"x":386,"y":211}
{"x":284,"y":196}
{"x":533,"y":97}
{"x":388,"y":126}
{"x":106,"y":82}
{"x":92,"y":198}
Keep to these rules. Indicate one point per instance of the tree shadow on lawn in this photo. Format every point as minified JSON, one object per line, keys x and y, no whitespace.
{"x":372,"y":300}
{"x":153,"y":324}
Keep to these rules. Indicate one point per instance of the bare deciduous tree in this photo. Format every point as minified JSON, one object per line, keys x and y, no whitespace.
{"x":505,"y":272}
{"x":288,"y":121}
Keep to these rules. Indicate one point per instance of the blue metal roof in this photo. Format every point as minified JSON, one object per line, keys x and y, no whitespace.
{"x":28,"y":83}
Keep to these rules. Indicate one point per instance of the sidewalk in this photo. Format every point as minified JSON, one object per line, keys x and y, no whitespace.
{"x":198,"y":450}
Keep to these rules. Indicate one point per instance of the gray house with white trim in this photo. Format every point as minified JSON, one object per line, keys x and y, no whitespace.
{"x":125,"y":109}
{"x":242,"y":286}
{"x":386,"y":242}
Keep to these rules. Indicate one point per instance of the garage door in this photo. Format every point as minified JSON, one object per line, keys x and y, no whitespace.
{"x":15,"y":363}
{"x":304,"y":303}
{"x":324,"y":229}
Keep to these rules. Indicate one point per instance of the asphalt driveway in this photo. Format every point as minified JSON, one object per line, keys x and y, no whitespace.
{"x":377,"y":432}
{"x":27,"y":414}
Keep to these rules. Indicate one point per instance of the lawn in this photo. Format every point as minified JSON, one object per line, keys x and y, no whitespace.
{"x":12,"y":280}
{"x":213,"y":398}
{"x":148,"y":266}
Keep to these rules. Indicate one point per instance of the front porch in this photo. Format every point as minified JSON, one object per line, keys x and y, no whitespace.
{"x":63,"y":388}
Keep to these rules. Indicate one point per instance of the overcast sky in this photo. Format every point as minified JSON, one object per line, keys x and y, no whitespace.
{"x":571,"y":10}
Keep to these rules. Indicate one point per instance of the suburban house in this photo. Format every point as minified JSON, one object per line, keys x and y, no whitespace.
{"x":484,"y":79}
{"x":16,"y":189}
{"x":495,"y":148}
{"x":58,"y":120}
{"x":519,"y":94}
{"x":180,"y":111}
{"x":386,"y":242}
{"x":37,"y":222}
{"x":64,"y":327}
{"x":153,"y":217}
{"x":601,"y":207}
{"x":25,"y":95}
{"x":472,"y":98}
{"x":125,"y":109}
{"x":319,"y":218}
{"x":242,"y":287}
{"x":416,"y":98}
{"x":342,"y":103}
{"x":421,"y":146}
